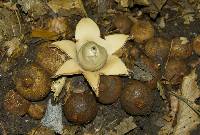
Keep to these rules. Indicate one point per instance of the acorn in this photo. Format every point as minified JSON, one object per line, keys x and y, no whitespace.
{"x":196,"y":45}
{"x":157,"y":49}
{"x":175,"y":70}
{"x":36,"y":111}
{"x":137,"y":98}
{"x":32,"y":82}
{"x":15,"y":104}
{"x":109,"y":89}
{"x":50,"y":58}
{"x":180,"y":48}
{"x":41,"y":130}
{"x":142,"y":30}
{"x":80,"y":106}
{"x":123,"y":23}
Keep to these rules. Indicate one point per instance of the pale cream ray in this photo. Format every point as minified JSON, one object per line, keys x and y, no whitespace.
{"x":67,"y":46}
{"x":86,"y":29}
{"x":93,"y":79}
{"x":70,"y":67}
{"x":115,"y":42}
{"x":114,"y":66}
{"x":97,"y":40}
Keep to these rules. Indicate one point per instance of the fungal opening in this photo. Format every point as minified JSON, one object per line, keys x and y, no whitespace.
{"x":92,"y":57}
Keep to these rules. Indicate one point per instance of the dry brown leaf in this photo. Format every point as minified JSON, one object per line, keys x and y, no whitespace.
{"x":44,"y":34}
{"x":169,"y":118}
{"x":183,"y":110}
{"x":126,"y":125}
{"x":187,"y":118}
{"x":75,"y":6}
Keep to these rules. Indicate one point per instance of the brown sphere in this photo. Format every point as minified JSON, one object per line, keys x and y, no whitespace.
{"x":142,"y":31}
{"x":136,"y":98}
{"x":41,"y":130}
{"x":80,"y":107}
{"x":15,"y":104}
{"x":123,"y":23}
{"x":32,"y":82}
{"x":175,"y":71}
{"x":157,"y":49}
{"x":196,"y":45}
{"x":36,"y":111}
{"x":51,"y":59}
{"x":109,"y":89}
{"x":180,"y":49}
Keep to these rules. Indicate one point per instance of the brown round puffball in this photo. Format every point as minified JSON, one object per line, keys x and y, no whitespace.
{"x":137,"y":98}
{"x":15,"y":104}
{"x":109,"y":89}
{"x":142,"y":31}
{"x":80,"y":107}
{"x":32,"y":82}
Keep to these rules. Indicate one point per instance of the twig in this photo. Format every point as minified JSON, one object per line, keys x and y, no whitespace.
{"x":186,"y":101}
{"x":3,"y":128}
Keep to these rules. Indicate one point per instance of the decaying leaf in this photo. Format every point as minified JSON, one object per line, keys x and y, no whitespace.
{"x":44,"y":34}
{"x":124,"y":127}
{"x":154,"y":7}
{"x":187,"y":118}
{"x":35,"y":8}
{"x":75,"y":6}
{"x":169,"y":119}
{"x":184,"y":113}
{"x":161,"y":90}
{"x":124,"y":3}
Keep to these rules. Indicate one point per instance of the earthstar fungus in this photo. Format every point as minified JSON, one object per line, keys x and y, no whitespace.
{"x":92,"y":55}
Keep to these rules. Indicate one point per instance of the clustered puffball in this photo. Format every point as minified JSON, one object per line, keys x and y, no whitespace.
{"x":157,"y":49}
{"x":122,"y":23}
{"x":180,"y":48}
{"x":110,"y":89}
{"x":37,"y":110}
{"x":142,"y":30}
{"x":175,"y":71}
{"x":137,"y":98}
{"x":80,"y":106}
{"x":32,"y":82}
{"x":15,"y":104}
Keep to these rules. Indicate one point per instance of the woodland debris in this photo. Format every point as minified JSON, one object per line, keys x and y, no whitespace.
{"x":74,"y":6}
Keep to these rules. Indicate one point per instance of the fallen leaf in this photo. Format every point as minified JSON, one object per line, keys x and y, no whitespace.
{"x":169,"y":119}
{"x":75,"y":6}
{"x":187,"y":118}
{"x":44,"y":34}
{"x":126,"y":125}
